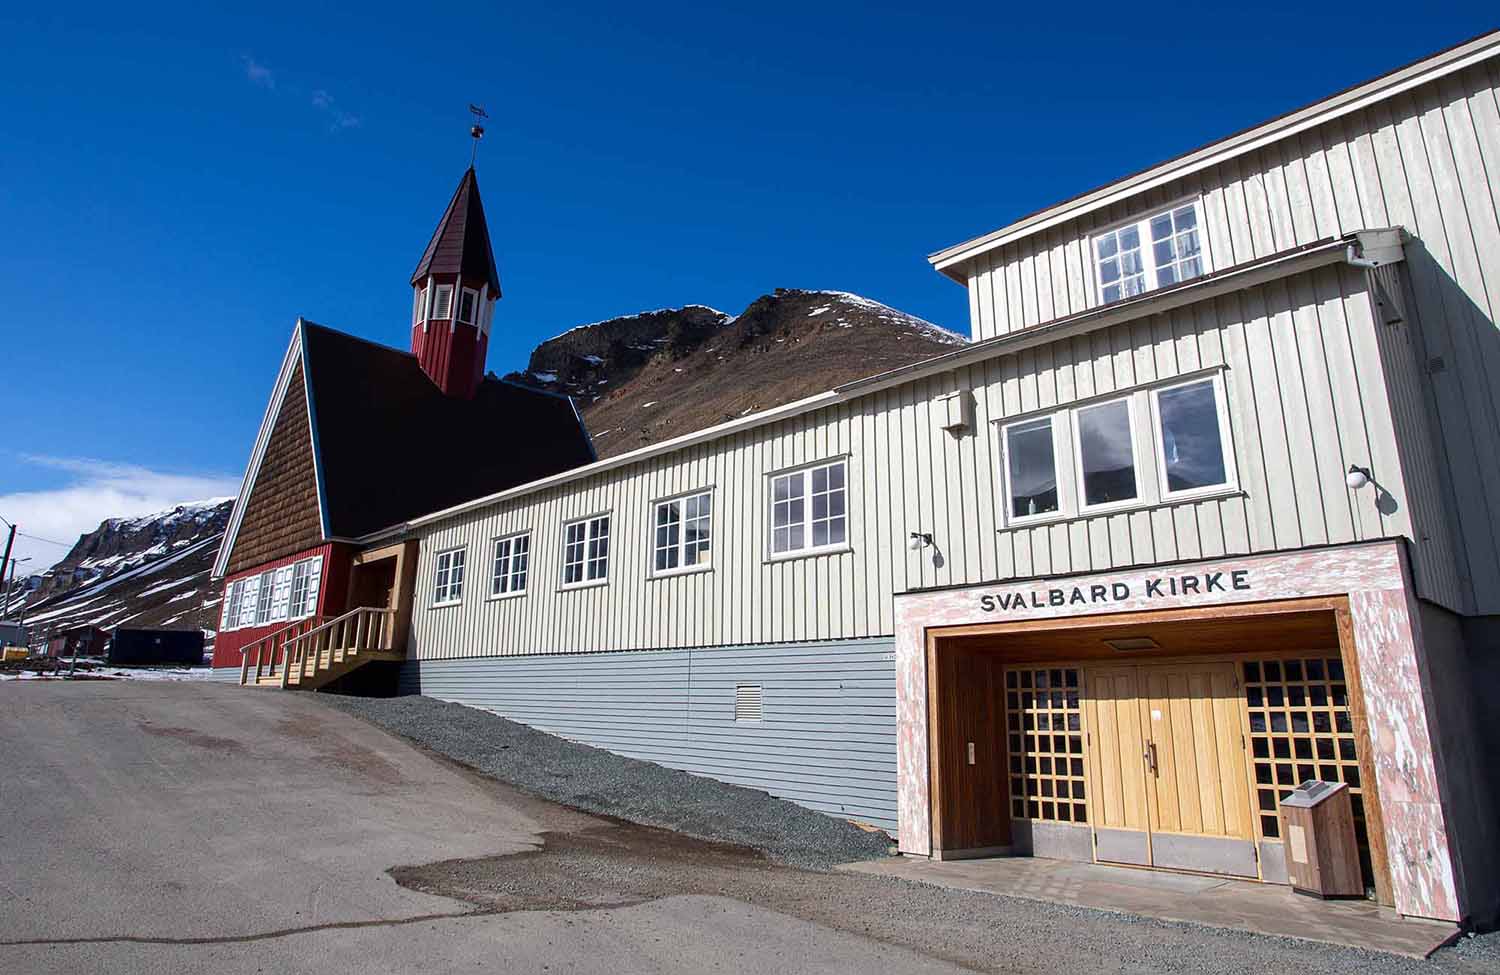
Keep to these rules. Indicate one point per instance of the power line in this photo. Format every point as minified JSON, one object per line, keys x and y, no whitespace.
{"x":49,"y":541}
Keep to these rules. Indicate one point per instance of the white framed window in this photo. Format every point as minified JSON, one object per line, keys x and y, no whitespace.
{"x":1031,"y":484}
{"x":1191,"y":432}
{"x":468,"y":306}
{"x":1104,"y":451}
{"x":442,"y":301}
{"x":586,"y":551}
{"x":486,"y":315}
{"x":512,"y":565}
{"x":448,"y":577}
{"x":418,"y":301}
{"x":1160,"y":249}
{"x":229,"y":612}
{"x":281,"y":593}
{"x":306,"y":576}
{"x":682,"y":534}
{"x":809,"y":509}
{"x":263,"y":595}
{"x":249,"y":596}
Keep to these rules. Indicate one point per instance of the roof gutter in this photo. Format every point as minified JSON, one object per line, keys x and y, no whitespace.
{"x":1380,"y":246}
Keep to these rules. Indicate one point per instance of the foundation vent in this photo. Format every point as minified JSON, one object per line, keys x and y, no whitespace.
{"x":747,"y":699}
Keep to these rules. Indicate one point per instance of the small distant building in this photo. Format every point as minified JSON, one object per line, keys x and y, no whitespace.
{"x":12,"y":634}
{"x":183,"y":647}
{"x":82,"y":641}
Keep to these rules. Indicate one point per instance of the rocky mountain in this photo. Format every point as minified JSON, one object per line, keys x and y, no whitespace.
{"x":643,"y":378}
{"x":150,"y":571}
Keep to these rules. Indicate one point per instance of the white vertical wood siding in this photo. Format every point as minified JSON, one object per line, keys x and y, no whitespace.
{"x":1306,"y":395}
{"x":1427,"y":160}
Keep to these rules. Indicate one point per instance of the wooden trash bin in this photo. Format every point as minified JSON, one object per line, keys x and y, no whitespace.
{"x":1322,"y":855}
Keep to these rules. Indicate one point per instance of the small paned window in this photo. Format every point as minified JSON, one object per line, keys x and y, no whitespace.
{"x":512,"y":561}
{"x":448,"y":578}
{"x":1192,"y":442}
{"x":249,"y":595}
{"x":229,"y":608}
{"x":1106,"y":454}
{"x":1031,"y":469}
{"x":263,"y":594}
{"x":418,"y":299}
{"x":281,"y":593}
{"x":682,"y":532}
{"x":586,"y":551}
{"x":809,"y":509}
{"x":468,"y":304}
{"x":442,"y":301}
{"x":1158,"y":250}
{"x":304,"y":597}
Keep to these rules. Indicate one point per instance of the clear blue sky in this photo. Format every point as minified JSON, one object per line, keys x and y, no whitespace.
{"x":177,"y":186}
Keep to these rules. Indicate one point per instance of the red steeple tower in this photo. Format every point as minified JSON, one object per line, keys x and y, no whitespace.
{"x":455,"y":287}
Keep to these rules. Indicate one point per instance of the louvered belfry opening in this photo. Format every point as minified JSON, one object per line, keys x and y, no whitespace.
{"x":454,"y":290}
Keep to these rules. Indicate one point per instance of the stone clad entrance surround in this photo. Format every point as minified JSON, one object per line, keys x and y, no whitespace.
{"x":1373,"y":577}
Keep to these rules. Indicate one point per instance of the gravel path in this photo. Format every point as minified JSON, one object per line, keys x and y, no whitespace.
{"x":602,"y":782}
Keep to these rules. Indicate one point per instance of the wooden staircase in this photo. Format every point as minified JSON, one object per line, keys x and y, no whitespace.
{"x":312,"y":652}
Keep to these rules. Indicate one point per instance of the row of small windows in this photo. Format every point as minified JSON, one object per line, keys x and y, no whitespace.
{"x":1186,"y":428}
{"x":470,"y":310}
{"x":809,"y":512}
{"x":1155,"y":251}
{"x":285,"y":594}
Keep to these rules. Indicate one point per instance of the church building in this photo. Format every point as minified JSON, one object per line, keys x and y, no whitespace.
{"x":1208,"y":508}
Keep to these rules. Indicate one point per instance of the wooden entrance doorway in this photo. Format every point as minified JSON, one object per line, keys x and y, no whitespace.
{"x":1041,"y":732}
{"x":1167,"y":761}
{"x":384,"y":578}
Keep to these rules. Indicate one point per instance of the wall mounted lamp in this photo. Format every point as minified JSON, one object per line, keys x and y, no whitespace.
{"x":919,"y":541}
{"x":1357,"y":477}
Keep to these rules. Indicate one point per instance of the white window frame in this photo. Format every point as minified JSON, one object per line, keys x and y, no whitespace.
{"x":706,"y":562}
{"x":229,"y":610}
{"x":1142,"y":224}
{"x":510,"y":541}
{"x":311,"y":573}
{"x":1058,"y":473}
{"x":591,"y":535}
{"x":281,"y":593}
{"x":447,"y":592}
{"x":808,"y":547}
{"x":249,"y":595}
{"x":473,"y":318}
{"x":1142,"y":497}
{"x":440,"y":292}
{"x":1226,"y":438}
{"x":418,"y":299}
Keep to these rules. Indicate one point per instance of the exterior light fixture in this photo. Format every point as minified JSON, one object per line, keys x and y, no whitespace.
{"x":1357,"y":477}
{"x":919,"y":541}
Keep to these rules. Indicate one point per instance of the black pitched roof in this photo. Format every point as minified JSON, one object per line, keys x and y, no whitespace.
{"x":461,"y":242}
{"x":391,"y":446}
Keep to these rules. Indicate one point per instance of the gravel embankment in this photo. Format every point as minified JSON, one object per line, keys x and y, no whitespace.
{"x":602,"y":782}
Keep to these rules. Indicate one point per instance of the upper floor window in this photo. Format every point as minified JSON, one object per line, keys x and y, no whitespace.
{"x":586,"y":551}
{"x":1160,"y":249}
{"x":468,"y":304}
{"x":1190,"y":422}
{"x":419,"y":306}
{"x":682,"y":533}
{"x":1030,"y":469}
{"x":442,"y":301}
{"x":809,"y":509}
{"x":512,"y":565}
{"x":448,"y":577}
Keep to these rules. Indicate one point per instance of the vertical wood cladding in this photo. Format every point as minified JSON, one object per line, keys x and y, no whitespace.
{"x":282,"y":516}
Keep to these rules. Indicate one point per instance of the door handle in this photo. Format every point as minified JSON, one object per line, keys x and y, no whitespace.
{"x":1150,"y":757}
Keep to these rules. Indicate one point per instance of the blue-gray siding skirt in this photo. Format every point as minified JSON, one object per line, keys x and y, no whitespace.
{"x":826,"y":739}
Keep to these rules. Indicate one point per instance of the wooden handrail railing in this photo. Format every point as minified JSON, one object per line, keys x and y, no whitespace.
{"x":364,"y":629}
{"x":269,"y":645}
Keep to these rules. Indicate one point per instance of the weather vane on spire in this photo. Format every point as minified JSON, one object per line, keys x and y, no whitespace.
{"x":476,"y":131}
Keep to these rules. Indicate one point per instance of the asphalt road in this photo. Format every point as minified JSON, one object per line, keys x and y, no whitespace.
{"x":157,"y":827}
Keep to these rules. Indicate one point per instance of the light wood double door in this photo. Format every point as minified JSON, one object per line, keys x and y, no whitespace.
{"x":1167,"y":760}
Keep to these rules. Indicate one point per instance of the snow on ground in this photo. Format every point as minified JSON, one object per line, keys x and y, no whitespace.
{"x":546,"y":377}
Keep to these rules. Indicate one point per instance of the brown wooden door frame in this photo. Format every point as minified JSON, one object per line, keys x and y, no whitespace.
{"x":935,"y":637}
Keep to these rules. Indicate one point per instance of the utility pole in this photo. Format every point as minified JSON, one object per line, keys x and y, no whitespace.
{"x":10,"y":540}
